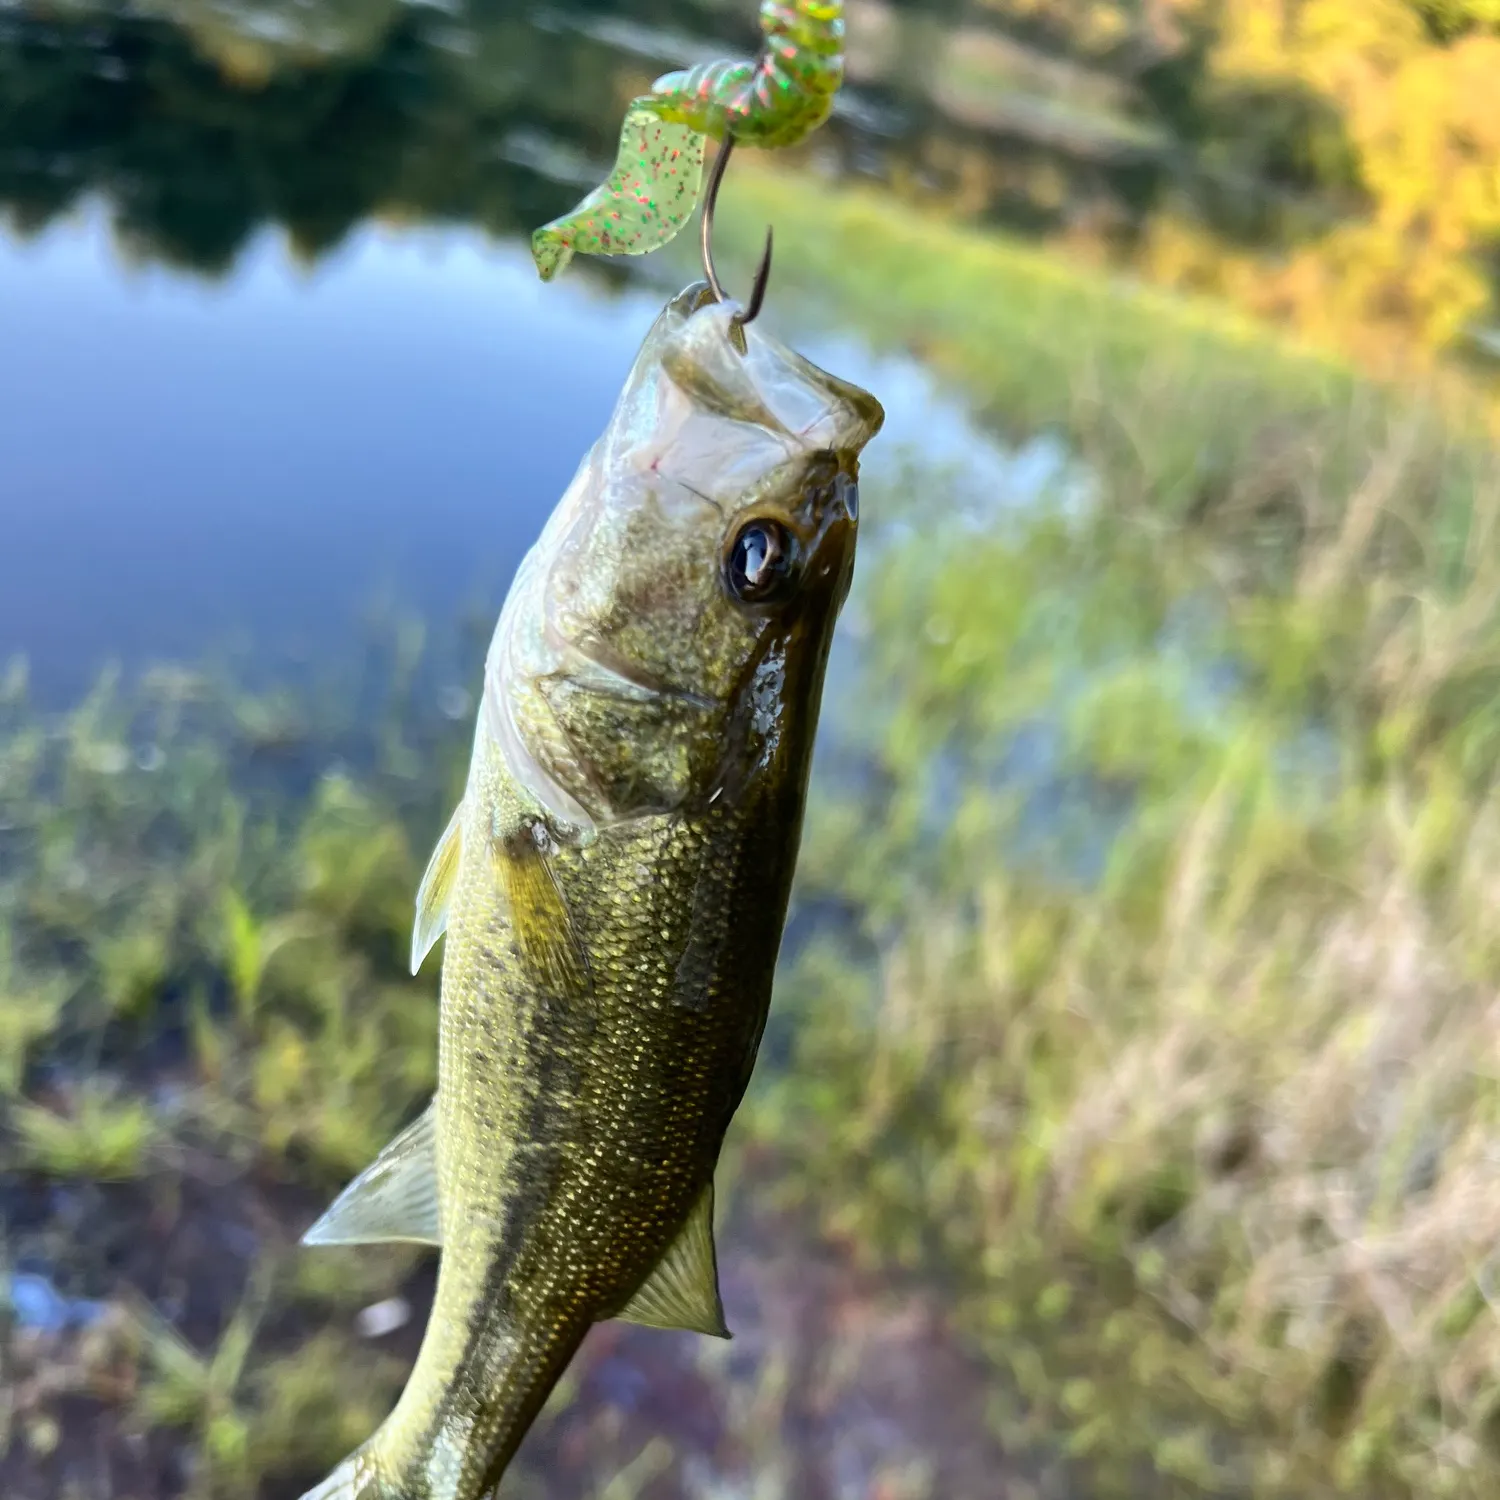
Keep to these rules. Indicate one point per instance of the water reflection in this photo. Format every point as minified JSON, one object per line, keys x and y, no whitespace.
{"x":261,"y":456}
{"x":185,"y":462}
{"x":201,"y":121}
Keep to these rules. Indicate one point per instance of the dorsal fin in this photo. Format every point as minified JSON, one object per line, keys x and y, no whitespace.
{"x":394,"y":1198}
{"x":682,"y":1290}
{"x":436,"y":889}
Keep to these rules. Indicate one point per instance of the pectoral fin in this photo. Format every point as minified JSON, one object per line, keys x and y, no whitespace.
{"x":436,"y":889}
{"x":548,"y":940}
{"x":683,"y":1290}
{"x":394,"y":1198}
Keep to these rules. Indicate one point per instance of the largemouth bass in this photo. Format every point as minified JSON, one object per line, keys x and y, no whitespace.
{"x":613,"y":887}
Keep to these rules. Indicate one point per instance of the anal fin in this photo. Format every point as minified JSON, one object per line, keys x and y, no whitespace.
{"x":682,"y":1290}
{"x":395,"y":1198}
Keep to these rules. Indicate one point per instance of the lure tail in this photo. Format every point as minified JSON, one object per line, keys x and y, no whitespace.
{"x":648,"y":197}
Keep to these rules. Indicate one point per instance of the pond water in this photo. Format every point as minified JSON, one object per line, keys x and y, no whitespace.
{"x":261,"y":455}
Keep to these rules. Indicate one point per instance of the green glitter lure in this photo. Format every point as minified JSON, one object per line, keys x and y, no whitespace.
{"x":776,"y":100}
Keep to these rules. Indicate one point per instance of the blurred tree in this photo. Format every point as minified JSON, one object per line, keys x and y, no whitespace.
{"x":1355,"y":144}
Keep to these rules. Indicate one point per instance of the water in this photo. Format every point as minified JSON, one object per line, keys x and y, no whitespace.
{"x":257,"y":458}
{"x":188,"y":462}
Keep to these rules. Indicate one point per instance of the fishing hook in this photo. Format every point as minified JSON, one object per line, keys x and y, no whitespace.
{"x":762,"y":271}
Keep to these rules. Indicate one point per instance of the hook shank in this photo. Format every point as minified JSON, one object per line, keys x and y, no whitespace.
{"x":762,"y":271}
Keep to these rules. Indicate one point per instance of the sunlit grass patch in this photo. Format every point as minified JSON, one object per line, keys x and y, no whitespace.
{"x":102,"y":1136}
{"x":1051,"y":341}
{"x":318,"y":1403}
{"x":31,"y":1007}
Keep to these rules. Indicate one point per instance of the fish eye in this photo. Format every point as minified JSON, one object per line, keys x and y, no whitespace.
{"x":760,"y":562}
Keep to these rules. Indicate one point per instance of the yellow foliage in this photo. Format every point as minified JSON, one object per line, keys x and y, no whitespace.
{"x":1408,"y":178}
{"x":1406,"y":274}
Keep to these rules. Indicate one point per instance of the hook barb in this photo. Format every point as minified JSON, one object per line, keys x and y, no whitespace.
{"x":762,"y":271}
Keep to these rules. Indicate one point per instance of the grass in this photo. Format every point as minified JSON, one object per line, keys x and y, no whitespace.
{"x":102,"y":1138}
{"x":185,"y":1389}
{"x":1209,"y":1142}
{"x":1014,"y":323}
{"x":1158,"y":1046}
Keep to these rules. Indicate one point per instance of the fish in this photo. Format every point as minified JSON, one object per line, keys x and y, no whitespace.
{"x":612,"y":888}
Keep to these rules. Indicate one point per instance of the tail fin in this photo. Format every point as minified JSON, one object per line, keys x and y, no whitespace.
{"x":345,"y":1483}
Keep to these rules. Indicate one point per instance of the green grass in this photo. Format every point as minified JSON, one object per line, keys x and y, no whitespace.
{"x":1037,"y":340}
{"x":102,"y":1138}
{"x":185,"y":1389}
{"x":1168,"y":1062}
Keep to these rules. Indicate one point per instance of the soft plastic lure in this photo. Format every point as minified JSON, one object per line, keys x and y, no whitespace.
{"x":776,"y":100}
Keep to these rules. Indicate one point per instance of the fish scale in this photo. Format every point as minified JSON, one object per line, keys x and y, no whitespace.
{"x":619,"y":1195}
{"x":612,"y":937}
